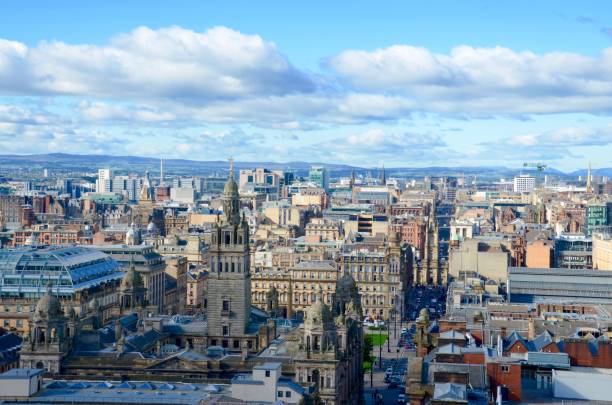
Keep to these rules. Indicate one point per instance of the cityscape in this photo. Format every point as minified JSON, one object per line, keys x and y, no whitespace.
{"x":305,"y":203}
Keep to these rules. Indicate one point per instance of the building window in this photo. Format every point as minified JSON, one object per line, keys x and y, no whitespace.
{"x":226,"y":305}
{"x":505,"y":368}
{"x":287,"y":394}
{"x":279,"y":394}
{"x":225,"y":330}
{"x":267,"y":373}
{"x":236,"y":344}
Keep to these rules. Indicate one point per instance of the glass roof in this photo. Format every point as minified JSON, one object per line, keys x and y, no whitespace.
{"x":66,"y":268}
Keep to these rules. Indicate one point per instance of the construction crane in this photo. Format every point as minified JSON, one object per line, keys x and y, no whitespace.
{"x":539,"y":166}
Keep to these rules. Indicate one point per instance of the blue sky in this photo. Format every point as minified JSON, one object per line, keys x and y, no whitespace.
{"x":400,"y":83}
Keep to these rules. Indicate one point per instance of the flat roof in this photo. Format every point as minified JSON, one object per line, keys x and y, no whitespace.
{"x":268,"y":366}
{"x":21,"y":373}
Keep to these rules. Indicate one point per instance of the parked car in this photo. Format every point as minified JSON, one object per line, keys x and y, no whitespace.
{"x":401,"y":398}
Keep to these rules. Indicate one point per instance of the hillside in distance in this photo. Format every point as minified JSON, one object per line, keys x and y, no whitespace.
{"x":127,"y":164}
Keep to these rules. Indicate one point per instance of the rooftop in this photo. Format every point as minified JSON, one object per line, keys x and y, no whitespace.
{"x":20,"y":373}
{"x":28,"y":270}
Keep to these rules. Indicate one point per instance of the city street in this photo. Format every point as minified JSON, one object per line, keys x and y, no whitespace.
{"x":393,"y":358}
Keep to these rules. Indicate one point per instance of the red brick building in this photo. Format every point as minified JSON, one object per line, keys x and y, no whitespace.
{"x":588,"y":352}
{"x":507,"y":374}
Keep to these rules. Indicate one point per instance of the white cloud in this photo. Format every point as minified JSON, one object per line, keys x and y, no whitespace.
{"x":167,"y":63}
{"x":482,"y":80}
{"x":376,"y":144}
{"x":561,"y":143}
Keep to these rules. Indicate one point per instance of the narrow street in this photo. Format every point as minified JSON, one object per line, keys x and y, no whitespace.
{"x":393,"y":358}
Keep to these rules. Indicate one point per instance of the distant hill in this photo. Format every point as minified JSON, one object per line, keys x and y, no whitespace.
{"x":75,"y":162}
{"x":606,"y":171}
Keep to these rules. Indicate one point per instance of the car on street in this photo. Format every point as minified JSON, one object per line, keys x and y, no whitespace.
{"x":401,"y":398}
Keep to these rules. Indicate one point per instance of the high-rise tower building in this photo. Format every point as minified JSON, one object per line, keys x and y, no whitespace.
{"x":319,"y":176}
{"x":103,"y":183}
{"x":229,"y":282}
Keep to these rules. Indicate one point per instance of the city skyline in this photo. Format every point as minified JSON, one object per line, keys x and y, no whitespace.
{"x":391,"y":84}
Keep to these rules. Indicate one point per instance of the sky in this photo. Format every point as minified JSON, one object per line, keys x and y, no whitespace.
{"x":406,"y":83}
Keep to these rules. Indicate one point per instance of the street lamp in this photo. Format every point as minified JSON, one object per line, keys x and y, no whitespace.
{"x":379,"y":347}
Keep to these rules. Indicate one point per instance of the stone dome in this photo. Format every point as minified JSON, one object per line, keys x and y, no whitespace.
{"x":346,"y":283}
{"x":318,"y":312}
{"x":130,"y":280}
{"x":231,"y":188}
{"x":48,"y":307}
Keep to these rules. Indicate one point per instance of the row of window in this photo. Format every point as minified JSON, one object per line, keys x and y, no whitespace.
{"x":20,"y":308}
{"x":18,"y":323}
{"x":326,"y":286}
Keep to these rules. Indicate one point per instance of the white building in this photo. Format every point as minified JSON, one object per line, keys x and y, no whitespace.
{"x":184,"y":195}
{"x":266,"y":385}
{"x":103,"y":184}
{"x":590,"y":384}
{"x":524,"y":183}
{"x":20,"y":383}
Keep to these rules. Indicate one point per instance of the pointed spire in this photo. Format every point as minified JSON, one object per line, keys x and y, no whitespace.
{"x":589,"y":187}
{"x":231,"y":167}
{"x":383,"y":179}
{"x":161,"y":171}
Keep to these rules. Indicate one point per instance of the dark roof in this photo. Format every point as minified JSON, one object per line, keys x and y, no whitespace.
{"x":145,"y":341}
{"x":515,"y":337}
{"x":9,"y":341}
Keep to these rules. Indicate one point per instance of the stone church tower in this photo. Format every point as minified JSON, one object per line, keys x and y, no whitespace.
{"x":229,"y":281}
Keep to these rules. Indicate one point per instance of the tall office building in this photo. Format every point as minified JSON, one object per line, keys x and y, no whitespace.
{"x":524,"y":183}
{"x":126,"y":185}
{"x":319,"y":176}
{"x":104,"y":182}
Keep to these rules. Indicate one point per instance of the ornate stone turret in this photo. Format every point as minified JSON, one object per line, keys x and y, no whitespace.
{"x":50,"y":338}
{"x":346,"y":300}
{"x":319,"y":328}
{"x":230,"y":199}
{"x":131,"y":291}
{"x":422,"y":338}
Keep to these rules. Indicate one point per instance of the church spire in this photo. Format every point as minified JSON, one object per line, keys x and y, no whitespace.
{"x":383,"y":178}
{"x":145,"y":191}
{"x":589,"y":187}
